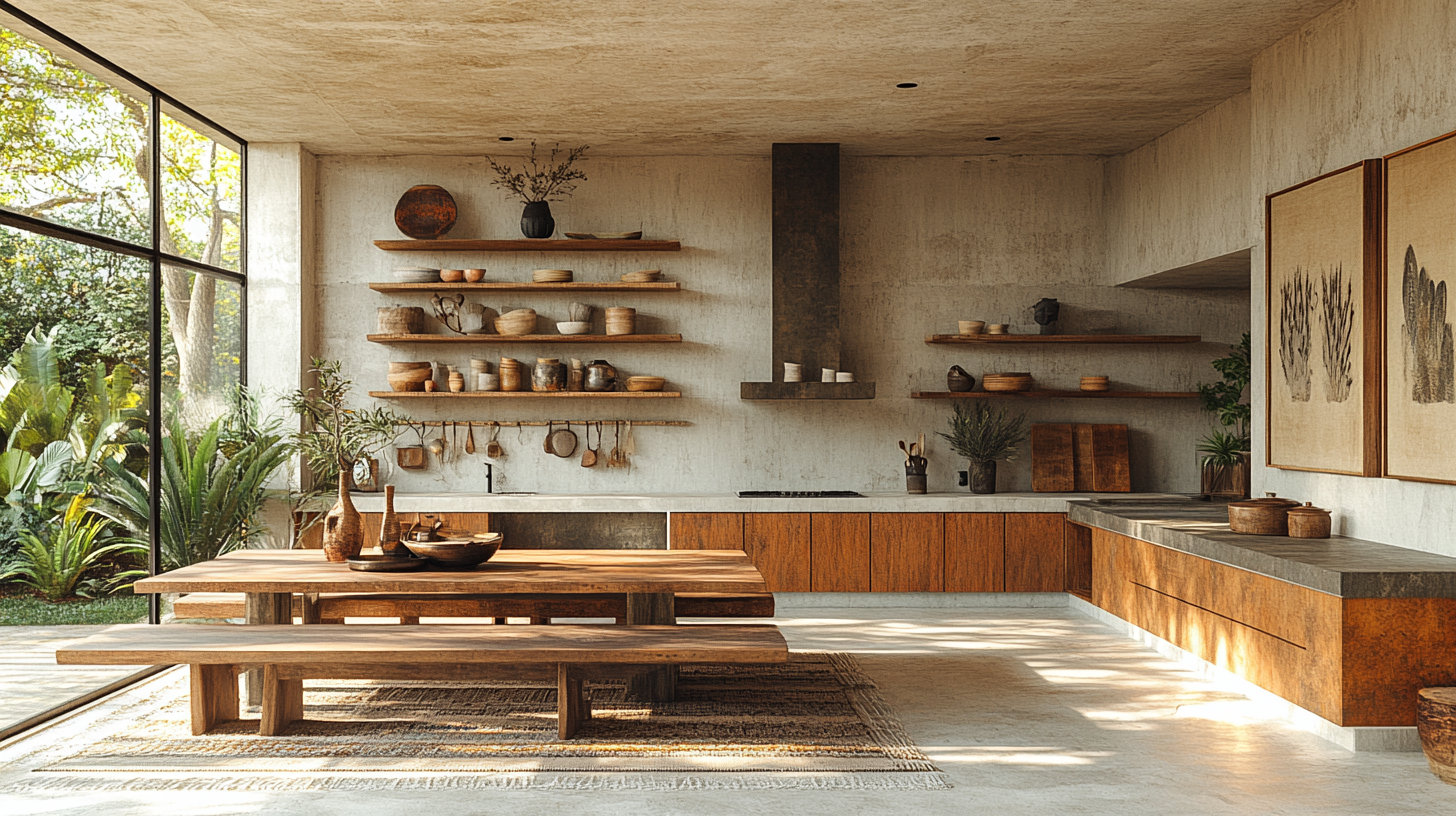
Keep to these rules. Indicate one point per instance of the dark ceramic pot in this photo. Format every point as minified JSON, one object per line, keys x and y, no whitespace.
{"x":957,"y":381}
{"x":536,"y":220}
{"x":983,"y":477}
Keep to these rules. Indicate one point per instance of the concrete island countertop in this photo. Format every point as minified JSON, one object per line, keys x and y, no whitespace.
{"x":1344,"y":567}
{"x":723,"y":503}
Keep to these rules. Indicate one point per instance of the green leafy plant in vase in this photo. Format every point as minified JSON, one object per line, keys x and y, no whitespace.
{"x":984,"y":437}
{"x":1224,"y":451}
{"x":333,"y":439}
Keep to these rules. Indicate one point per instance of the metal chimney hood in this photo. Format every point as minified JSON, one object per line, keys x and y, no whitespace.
{"x":806,"y":275}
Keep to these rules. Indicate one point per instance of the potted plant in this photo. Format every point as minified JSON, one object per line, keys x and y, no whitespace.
{"x":1225,"y":450}
{"x":540,"y":184}
{"x":984,"y":437}
{"x":334,"y":437}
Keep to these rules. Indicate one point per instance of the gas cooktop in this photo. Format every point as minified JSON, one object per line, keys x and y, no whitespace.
{"x":798,"y":494}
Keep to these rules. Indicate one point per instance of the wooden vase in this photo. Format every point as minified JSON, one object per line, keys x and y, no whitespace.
{"x":343,"y":528}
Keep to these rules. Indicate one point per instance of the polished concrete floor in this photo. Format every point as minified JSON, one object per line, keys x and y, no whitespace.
{"x":1028,"y":711}
{"x":30,"y":680}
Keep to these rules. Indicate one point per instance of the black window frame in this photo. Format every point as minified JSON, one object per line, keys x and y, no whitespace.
{"x":157,"y":102}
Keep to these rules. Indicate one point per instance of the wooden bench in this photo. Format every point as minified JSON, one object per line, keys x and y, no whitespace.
{"x":291,"y":654}
{"x":334,"y":607}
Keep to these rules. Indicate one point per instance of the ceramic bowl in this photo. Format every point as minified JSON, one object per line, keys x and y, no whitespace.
{"x":474,"y":275}
{"x":416,"y":274}
{"x":452,"y":275}
{"x":551,"y":276}
{"x":520,"y":321}
{"x":968,"y":327}
{"x":574,"y":327}
{"x":642,"y":276}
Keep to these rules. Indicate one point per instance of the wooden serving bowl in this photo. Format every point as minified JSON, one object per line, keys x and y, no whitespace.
{"x":551,"y":276}
{"x":409,"y":376}
{"x":646,"y":383}
{"x":457,"y":552}
{"x":1014,"y":381}
{"x":520,"y":321}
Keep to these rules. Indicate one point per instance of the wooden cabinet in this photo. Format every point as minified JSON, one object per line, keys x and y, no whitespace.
{"x":975,"y":552}
{"x":839,"y":552}
{"x":1035,"y":552}
{"x":907,"y":552}
{"x":706,"y":531}
{"x":778,"y":544}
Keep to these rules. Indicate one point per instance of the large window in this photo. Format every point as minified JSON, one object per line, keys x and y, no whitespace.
{"x":123,"y":306}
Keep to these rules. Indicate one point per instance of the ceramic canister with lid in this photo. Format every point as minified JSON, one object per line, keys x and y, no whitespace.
{"x":1267,"y":516}
{"x":1309,"y":522}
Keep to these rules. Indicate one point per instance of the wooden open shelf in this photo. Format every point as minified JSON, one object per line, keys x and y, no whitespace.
{"x":1053,"y":395}
{"x":528,"y":286}
{"x":1068,"y":339}
{"x":525,"y":395}
{"x":525,"y":338}
{"x":524,"y":245}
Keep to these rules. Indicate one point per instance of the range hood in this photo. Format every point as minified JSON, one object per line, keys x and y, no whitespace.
{"x":806,"y":275}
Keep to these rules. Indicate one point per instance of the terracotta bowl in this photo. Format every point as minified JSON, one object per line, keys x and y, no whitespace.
{"x":452,"y":275}
{"x":474,"y":275}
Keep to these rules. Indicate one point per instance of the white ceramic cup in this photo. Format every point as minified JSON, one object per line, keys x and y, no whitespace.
{"x":826,"y":375}
{"x":793,"y":372}
{"x":844,"y":376}
{"x":487,"y":382}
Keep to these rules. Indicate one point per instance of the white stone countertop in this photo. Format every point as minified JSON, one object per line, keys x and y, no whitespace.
{"x":727,"y":503}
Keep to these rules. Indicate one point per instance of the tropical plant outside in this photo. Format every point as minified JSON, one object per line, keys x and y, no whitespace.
{"x":63,"y":561}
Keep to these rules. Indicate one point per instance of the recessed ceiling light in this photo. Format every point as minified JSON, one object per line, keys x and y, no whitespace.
{"x":993,"y":138}
{"x":507,"y":138}
{"x":908,"y":85}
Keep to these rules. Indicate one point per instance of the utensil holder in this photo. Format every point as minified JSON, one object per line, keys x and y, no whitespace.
{"x":915,"y":474}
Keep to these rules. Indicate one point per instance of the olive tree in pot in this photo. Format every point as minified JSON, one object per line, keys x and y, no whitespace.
{"x":333,"y":439}
{"x":1224,"y":452}
{"x":984,"y":437}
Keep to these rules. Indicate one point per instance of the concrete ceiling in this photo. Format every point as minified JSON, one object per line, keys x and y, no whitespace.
{"x":703,"y":76}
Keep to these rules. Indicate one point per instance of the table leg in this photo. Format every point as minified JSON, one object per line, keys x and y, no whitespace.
{"x":658,"y":685}
{"x":265,"y":608}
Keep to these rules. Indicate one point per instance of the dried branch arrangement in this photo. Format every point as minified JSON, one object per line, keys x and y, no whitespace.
{"x":1337,"y":318}
{"x":549,"y":180}
{"x":1295,"y":338}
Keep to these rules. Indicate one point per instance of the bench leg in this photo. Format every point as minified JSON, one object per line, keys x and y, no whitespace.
{"x":309,"y":606}
{"x":282,"y":702}
{"x":572,"y":705}
{"x":657,"y":685}
{"x":214,"y":696}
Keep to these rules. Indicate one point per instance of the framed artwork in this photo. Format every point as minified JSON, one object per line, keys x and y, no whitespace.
{"x":1322,"y":343}
{"x":1420,"y":266}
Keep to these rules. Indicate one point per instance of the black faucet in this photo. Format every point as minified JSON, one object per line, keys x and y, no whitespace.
{"x":489,"y":477}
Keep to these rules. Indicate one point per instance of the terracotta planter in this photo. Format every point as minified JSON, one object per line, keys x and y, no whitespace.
{"x":343,"y":527}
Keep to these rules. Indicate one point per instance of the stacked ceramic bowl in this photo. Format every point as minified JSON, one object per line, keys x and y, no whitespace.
{"x":1007,"y":381}
{"x":551,"y":276}
{"x":416,"y":274}
{"x":520,"y":321}
{"x":621,"y":320}
{"x":642,"y":276}
{"x":1099,"y":383}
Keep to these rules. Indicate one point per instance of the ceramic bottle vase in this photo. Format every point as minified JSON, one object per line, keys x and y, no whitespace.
{"x":389,"y":531}
{"x":343,"y":528}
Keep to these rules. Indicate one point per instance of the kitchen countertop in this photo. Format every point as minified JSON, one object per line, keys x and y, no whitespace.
{"x":1345,"y":567}
{"x":722,"y":503}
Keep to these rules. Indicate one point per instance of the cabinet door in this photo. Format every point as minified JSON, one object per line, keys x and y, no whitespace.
{"x":1035,"y":557}
{"x":975,"y":552}
{"x":907,"y":552}
{"x":706,"y":531}
{"x":839,"y":552}
{"x":778,"y":544}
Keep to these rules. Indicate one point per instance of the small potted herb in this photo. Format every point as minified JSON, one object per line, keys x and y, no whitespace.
{"x":984,"y":437}
{"x":1224,"y":452}
{"x":540,"y":183}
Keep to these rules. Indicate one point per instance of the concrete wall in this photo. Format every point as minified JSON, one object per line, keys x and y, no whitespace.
{"x":925,"y":242}
{"x":1365,"y":79}
{"x":1182,"y":198}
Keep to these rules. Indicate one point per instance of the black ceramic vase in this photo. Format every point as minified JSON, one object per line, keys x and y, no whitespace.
{"x":536,"y":220}
{"x":983,"y":477}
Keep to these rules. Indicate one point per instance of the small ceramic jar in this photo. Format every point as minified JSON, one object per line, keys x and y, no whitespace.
{"x":1309,"y":522}
{"x":549,"y":375}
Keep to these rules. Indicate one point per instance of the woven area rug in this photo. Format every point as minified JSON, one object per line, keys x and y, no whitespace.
{"x":815,"y":722}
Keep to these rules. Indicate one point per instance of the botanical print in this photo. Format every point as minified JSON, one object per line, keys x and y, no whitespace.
{"x":1428,"y":362}
{"x":1420,"y":356}
{"x":1316,"y":288}
{"x":1337,"y":323}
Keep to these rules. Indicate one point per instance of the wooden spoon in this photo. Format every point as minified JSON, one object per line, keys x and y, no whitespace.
{"x":550,"y":428}
{"x":589,"y":456}
{"x":470,"y":438}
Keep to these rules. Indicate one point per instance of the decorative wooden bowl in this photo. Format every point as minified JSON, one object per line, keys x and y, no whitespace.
{"x":1011,"y":381}
{"x":1095,"y":384}
{"x":642,"y":276}
{"x":460,"y":552}
{"x":551,"y":276}
{"x":425,"y":211}
{"x":646,"y":383}
{"x":520,"y":321}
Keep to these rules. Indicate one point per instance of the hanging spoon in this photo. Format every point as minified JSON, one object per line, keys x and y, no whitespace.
{"x":550,"y":428}
{"x":589,"y":456}
{"x":470,"y":438}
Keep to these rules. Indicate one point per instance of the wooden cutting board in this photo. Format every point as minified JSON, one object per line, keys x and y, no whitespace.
{"x":1101,"y":459}
{"x":1052,"y":458}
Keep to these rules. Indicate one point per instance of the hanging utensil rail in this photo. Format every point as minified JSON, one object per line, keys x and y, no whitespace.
{"x":486,"y":423}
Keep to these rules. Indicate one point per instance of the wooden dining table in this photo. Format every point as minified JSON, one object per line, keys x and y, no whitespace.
{"x":650,"y":579}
